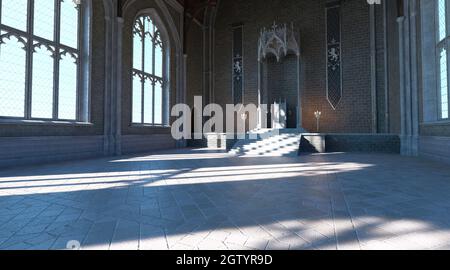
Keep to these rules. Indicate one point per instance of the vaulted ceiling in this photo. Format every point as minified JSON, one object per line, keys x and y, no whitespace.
{"x":193,"y":8}
{"x":196,"y":8}
{"x":188,"y":4}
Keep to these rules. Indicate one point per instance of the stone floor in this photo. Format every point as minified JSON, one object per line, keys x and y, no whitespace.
{"x":190,"y":199}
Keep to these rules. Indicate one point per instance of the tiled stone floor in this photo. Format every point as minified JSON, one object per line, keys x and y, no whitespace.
{"x":190,"y":199}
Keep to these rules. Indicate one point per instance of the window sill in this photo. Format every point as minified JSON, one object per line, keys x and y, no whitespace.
{"x":436,"y":123}
{"x":43,"y":123}
{"x":149,"y":126}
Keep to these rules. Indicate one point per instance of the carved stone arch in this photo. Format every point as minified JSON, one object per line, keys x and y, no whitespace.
{"x":108,"y":8}
{"x":156,"y":19}
{"x":167,"y":54}
{"x":168,"y":23}
{"x":165,"y":14}
{"x":278,"y":41}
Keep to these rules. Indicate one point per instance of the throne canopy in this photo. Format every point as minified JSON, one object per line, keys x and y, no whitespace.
{"x":278,"y":41}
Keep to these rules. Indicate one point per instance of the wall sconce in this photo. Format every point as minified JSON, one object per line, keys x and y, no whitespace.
{"x":318,"y":115}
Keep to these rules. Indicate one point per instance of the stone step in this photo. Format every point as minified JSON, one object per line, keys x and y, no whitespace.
{"x":286,"y":144}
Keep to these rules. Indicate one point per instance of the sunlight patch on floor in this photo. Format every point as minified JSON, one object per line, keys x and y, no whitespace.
{"x":39,"y":184}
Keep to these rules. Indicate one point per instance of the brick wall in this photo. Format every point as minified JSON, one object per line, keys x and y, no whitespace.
{"x":436,"y":129}
{"x":354,"y":112}
{"x":382,"y":120}
{"x":367,"y":143}
{"x":393,"y":68}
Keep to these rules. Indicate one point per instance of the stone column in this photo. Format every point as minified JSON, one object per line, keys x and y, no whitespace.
{"x":408,"y":79}
{"x":373,"y":68}
{"x":414,"y":79}
{"x":181,"y":89}
{"x":107,"y":134}
{"x":208,"y":62}
{"x":386,"y":68}
{"x":117,"y":70}
{"x":208,"y":32}
{"x":299,"y":93}
{"x":112,"y":81}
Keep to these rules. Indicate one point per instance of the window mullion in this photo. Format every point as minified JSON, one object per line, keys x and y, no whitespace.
{"x":153,"y":73}
{"x":438,"y":58}
{"x":446,"y":47}
{"x":29,"y":59}
{"x":1,"y":12}
{"x":56,"y":59}
{"x":80,"y":60}
{"x":441,"y":101}
{"x":143,"y":76}
{"x":165,"y":98}
{"x":142,"y":100}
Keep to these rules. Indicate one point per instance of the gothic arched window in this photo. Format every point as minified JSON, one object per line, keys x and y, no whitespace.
{"x":41,"y":55}
{"x":149,"y":77}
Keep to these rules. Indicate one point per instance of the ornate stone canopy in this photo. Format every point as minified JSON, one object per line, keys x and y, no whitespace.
{"x":278,"y":41}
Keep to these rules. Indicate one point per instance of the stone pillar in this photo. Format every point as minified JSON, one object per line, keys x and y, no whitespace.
{"x":386,"y":68}
{"x":408,"y":79}
{"x":299,"y":94}
{"x":117,"y":70}
{"x":413,"y":18}
{"x":181,"y":89}
{"x":208,"y":37}
{"x":111,"y":78}
{"x":107,"y":134}
{"x":208,"y":29}
{"x":373,"y":68}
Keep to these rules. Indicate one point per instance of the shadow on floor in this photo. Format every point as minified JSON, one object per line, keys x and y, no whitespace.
{"x":203,"y":200}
